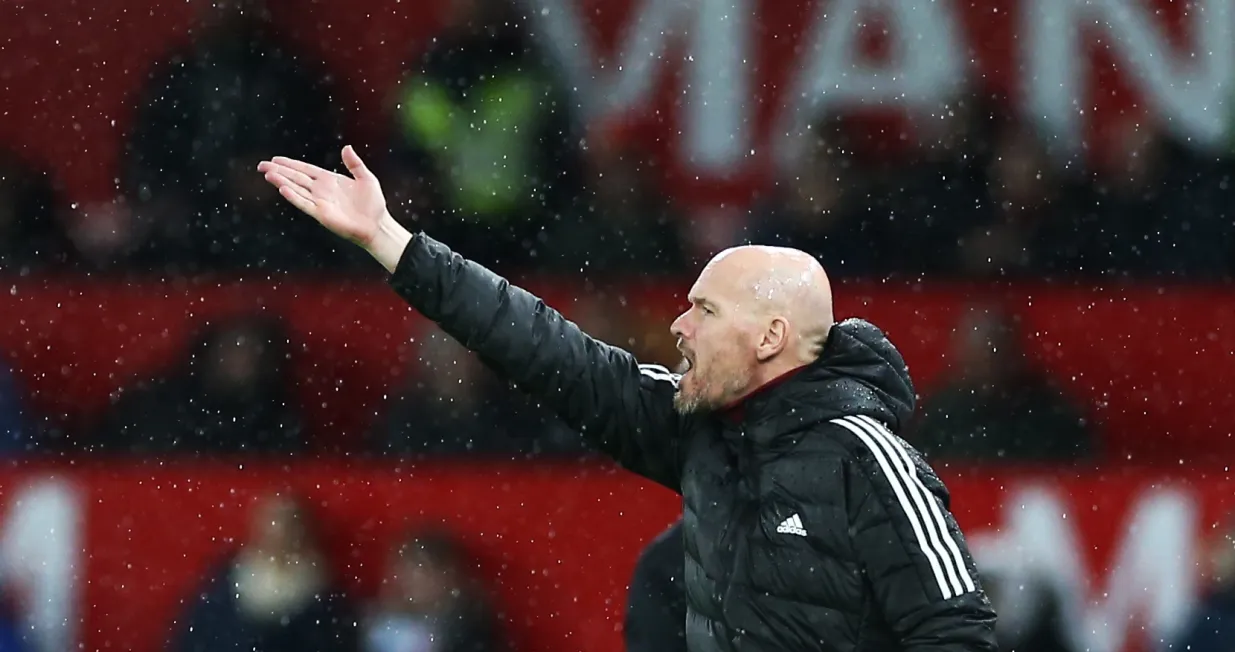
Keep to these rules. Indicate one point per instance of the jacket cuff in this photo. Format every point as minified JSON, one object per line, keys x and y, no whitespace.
{"x":403,"y":280}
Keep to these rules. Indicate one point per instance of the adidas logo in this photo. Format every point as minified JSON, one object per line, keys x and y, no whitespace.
{"x":792,"y":525}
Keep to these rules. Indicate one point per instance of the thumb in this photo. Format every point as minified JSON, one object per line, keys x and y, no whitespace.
{"x":354,"y":165}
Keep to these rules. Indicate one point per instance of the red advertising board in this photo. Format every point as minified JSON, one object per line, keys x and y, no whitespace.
{"x":717,"y":89}
{"x":115,"y":551}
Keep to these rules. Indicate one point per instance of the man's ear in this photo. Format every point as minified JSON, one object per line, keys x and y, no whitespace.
{"x":775,"y":339}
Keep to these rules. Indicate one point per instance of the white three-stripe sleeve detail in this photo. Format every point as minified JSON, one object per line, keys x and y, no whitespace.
{"x":910,"y":513}
{"x":932,"y":522}
{"x":657,"y":372}
{"x":915,"y":491}
{"x":953,"y":551}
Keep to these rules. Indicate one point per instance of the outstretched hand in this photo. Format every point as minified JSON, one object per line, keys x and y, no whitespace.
{"x":351,"y":207}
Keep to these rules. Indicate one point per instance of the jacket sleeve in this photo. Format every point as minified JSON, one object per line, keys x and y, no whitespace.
{"x":910,"y":547}
{"x":622,"y":407}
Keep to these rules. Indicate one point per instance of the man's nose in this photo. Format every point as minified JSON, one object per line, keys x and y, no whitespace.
{"x":678,"y":327}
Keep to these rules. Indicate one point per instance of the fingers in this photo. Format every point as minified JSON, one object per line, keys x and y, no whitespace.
{"x":293,"y":193}
{"x":298,"y":200}
{"x":288,"y":174}
{"x":311,"y":171}
{"x":354,"y":165}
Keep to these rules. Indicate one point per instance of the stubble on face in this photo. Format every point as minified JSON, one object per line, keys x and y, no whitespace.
{"x":711,"y":383}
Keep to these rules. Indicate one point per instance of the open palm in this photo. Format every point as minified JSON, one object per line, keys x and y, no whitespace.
{"x":351,"y":207}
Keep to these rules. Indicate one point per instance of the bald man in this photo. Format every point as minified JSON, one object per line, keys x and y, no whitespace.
{"x":807,"y":523}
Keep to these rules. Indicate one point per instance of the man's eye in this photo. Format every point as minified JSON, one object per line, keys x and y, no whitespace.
{"x":706,"y":310}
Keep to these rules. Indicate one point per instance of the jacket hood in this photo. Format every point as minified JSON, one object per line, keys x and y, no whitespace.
{"x":859,"y":372}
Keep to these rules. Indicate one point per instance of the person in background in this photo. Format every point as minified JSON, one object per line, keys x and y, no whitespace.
{"x":1212,"y":625}
{"x":935,"y":193}
{"x":821,"y":207}
{"x":453,"y":404}
{"x":210,"y":112}
{"x":431,"y":601}
{"x":485,"y":139}
{"x":656,"y":603}
{"x":999,"y":407}
{"x":231,"y":395}
{"x":1027,"y":196}
{"x":629,"y":226}
{"x":1152,"y":207}
{"x":275,"y":594}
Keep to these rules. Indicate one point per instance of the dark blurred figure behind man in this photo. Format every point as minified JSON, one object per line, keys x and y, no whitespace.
{"x":276,"y":593}
{"x":998,"y":406}
{"x":1154,"y":207}
{"x":921,"y":203}
{"x":432,"y":599}
{"x":210,"y":112}
{"x":629,"y":225}
{"x":656,"y":603}
{"x":821,"y":207}
{"x":231,"y":394}
{"x":485,"y":140}
{"x":452,"y":404}
{"x":1026,"y":198}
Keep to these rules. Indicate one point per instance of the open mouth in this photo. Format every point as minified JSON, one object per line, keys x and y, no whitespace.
{"x":685,"y":365}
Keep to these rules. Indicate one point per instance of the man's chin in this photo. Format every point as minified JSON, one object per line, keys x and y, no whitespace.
{"x":688,"y":402}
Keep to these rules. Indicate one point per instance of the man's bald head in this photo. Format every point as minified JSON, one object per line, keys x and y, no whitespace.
{"x":778,"y":282}
{"x":757,"y":312}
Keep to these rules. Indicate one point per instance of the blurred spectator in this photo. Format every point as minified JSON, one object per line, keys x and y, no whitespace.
{"x":108,"y":238}
{"x":211,"y":112}
{"x":656,"y":603}
{"x":630,"y":227}
{"x":231,"y":395}
{"x":822,"y":210}
{"x":432,"y":601}
{"x":998,"y":406}
{"x":928,"y":202}
{"x":275,"y":594}
{"x":454,"y":404}
{"x":1155,"y":208}
{"x":960,"y":134}
{"x":1211,"y":627}
{"x":31,"y":235}
{"x":16,"y":435}
{"x":1028,"y":197}
{"x":486,"y":132}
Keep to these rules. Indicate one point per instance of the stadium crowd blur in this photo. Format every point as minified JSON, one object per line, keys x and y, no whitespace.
{"x":485,"y":153}
{"x":528,"y":190}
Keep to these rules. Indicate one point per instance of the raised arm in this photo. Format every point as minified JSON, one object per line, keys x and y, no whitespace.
{"x":622,"y":407}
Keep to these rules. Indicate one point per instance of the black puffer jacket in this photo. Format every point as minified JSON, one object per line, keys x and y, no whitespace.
{"x":808,"y":525}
